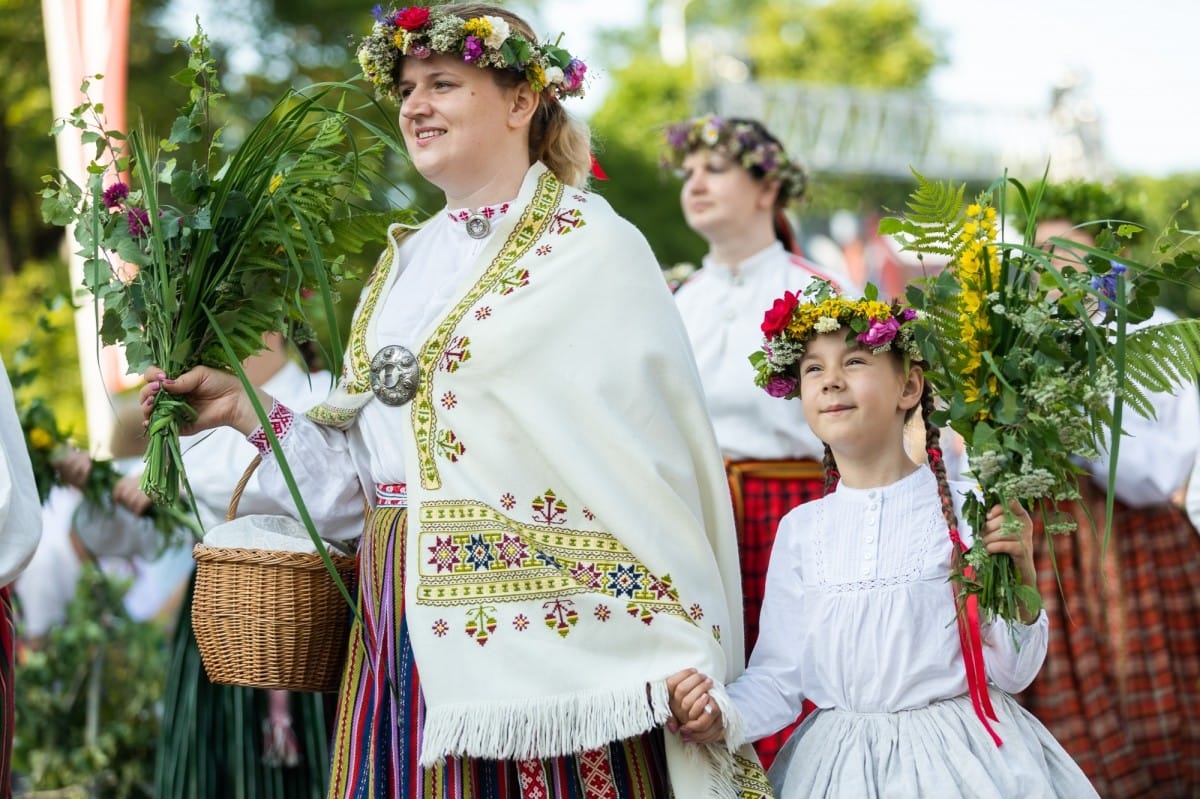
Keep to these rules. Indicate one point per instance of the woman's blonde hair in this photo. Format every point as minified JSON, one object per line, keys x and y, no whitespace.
{"x":557,"y":139}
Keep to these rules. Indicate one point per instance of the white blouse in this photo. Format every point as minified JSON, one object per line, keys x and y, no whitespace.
{"x":722,"y":308}
{"x":433,"y":261}
{"x":20,"y":508}
{"x":859,"y":614}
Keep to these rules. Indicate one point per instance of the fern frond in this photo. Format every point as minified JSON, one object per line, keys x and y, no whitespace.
{"x":1160,"y":359}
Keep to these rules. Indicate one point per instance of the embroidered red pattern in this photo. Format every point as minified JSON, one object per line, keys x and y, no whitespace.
{"x":597,"y":771}
{"x":280,"y":419}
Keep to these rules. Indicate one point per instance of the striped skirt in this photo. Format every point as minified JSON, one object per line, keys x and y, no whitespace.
{"x":1120,"y":688}
{"x":380,"y":714}
{"x":763,"y":492}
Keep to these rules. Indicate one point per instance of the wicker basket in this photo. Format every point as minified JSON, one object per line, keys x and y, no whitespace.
{"x":269,"y":619}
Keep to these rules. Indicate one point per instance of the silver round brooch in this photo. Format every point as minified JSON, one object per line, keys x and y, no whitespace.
{"x":478,"y":226}
{"x":395,"y":375}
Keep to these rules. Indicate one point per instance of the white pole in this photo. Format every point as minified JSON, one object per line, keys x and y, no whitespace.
{"x":85,"y":38}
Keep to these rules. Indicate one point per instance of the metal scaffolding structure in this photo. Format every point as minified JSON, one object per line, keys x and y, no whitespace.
{"x":852,"y":131}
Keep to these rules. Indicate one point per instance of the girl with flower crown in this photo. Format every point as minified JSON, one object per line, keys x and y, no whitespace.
{"x":859,"y":616}
{"x":549,"y":535}
{"x":737,"y":181}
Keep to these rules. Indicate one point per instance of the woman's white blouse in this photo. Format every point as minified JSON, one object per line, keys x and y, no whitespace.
{"x":859,"y":614}
{"x":723,"y":308}
{"x":434,"y":261}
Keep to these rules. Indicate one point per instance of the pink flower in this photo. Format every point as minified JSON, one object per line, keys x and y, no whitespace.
{"x":139,"y":222}
{"x":781,"y":386}
{"x":880,"y":333}
{"x":114,"y":194}
{"x":573,"y":75}
{"x":779,"y":314}
{"x":420,"y":52}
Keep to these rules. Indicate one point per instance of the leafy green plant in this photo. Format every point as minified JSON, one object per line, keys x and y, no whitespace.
{"x":87,"y":699}
{"x":1032,"y":351}
{"x":181,"y":232}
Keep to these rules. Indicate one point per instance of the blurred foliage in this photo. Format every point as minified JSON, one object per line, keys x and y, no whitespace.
{"x":873,"y":43}
{"x":86,"y":711}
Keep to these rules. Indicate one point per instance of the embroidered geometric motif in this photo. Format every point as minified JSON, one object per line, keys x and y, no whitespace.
{"x":567,"y":220}
{"x":472,"y":552}
{"x":455,"y":354}
{"x":531,"y":775}
{"x":280,"y":419}
{"x":480,"y":623}
{"x":511,"y":281}
{"x":596,"y":769}
{"x":545,"y":249}
{"x":449,"y":447}
{"x":449,"y":400}
{"x":750,"y":779}
{"x":561,"y":616}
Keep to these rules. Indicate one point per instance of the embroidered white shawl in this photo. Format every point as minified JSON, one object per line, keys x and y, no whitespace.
{"x":570,"y":526}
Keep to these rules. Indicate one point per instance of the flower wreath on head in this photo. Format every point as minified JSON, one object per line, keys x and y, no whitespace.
{"x":744,"y":142}
{"x":485,"y":41}
{"x":794,"y":320}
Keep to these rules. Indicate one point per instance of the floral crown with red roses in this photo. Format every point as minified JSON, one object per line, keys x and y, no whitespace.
{"x":485,"y":41}
{"x":794,"y":320}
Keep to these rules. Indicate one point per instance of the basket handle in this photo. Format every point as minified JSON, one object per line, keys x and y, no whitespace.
{"x":231,"y":514}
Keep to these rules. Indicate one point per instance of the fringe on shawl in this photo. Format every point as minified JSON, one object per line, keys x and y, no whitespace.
{"x":545,"y":727}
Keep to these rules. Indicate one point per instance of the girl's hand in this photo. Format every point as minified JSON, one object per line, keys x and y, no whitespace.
{"x":1019,"y":546}
{"x":696,"y":717}
{"x":217,"y":398}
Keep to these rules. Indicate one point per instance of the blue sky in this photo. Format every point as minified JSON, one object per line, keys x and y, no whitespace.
{"x":1138,"y":61}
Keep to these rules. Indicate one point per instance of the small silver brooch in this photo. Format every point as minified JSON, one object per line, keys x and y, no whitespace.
{"x":395,"y":375}
{"x":478,"y":226}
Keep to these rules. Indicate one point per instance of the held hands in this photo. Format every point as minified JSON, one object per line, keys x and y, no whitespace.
{"x":696,"y":717}
{"x":1019,"y":546}
{"x":216,"y":397}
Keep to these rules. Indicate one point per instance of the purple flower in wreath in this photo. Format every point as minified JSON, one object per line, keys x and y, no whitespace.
{"x":907,"y":315}
{"x":139,"y":222}
{"x":472,"y":49}
{"x":573,"y":75}
{"x":880,"y":333}
{"x":781,"y":386}
{"x":115,"y":194}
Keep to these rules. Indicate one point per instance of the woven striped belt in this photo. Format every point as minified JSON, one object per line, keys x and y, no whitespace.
{"x":391,"y":495}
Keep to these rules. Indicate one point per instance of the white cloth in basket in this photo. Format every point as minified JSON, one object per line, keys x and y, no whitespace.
{"x":261,"y":531}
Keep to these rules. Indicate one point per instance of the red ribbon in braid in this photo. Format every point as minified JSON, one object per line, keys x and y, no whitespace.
{"x":971,"y":639}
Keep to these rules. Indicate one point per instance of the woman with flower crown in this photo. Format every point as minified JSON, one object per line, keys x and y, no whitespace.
{"x":549,"y":535}
{"x":737,"y":181}
{"x":859,"y":615}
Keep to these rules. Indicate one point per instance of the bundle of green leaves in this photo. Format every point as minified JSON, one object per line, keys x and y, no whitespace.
{"x":1033,"y":352}
{"x":194,"y":250}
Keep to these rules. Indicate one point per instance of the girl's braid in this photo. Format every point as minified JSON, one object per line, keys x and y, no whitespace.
{"x":933,"y":448}
{"x":832,"y":475}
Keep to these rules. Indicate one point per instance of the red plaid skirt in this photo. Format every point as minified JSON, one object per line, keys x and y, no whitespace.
{"x":763,"y":491}
{"x":1120,"y":688}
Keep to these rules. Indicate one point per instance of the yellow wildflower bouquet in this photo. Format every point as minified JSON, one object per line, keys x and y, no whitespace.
{"x":194,"y":250}
{"x":1031,"y":351}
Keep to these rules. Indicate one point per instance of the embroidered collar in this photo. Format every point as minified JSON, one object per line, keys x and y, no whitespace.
{"x":488,"y":212}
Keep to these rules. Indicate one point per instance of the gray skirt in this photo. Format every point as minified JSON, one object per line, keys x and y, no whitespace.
{"x":937,"y":752}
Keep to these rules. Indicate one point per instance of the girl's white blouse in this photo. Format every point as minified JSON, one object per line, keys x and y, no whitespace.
{"x":859,"y":614}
